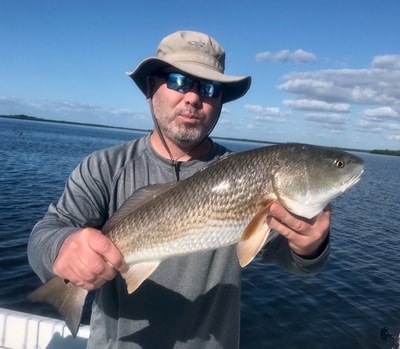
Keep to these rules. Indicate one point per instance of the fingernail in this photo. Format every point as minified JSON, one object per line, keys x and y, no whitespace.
{"x":274,"y":209}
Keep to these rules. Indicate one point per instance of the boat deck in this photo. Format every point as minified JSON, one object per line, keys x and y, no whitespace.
{"x":27,"y":331}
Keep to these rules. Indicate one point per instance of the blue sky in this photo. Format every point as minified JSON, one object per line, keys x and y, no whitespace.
{"x":324,"y":72}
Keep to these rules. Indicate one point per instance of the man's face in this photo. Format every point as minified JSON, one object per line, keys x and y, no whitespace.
{"x":184,"y":118}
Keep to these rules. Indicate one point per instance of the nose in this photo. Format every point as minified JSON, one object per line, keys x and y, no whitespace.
{"x":193,"y":97}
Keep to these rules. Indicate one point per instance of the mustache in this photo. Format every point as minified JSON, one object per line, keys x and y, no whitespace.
{"x":189,"y":111}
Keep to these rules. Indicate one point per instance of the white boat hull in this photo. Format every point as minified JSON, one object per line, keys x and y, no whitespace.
{"x":27,"y":331}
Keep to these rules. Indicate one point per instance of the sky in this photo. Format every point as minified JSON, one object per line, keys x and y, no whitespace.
{"x":323,"y":72}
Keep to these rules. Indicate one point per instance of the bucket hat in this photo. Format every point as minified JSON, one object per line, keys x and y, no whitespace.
{"x":196,"y":54}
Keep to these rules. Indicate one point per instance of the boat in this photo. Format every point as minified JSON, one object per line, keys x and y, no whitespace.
{"x":19,"y":330}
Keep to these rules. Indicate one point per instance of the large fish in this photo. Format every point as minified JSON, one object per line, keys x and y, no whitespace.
{"x":225,"y":203}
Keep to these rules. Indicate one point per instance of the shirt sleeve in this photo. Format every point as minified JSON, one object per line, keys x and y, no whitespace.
{"x":82,"y":204}
{"x":277,"y":251}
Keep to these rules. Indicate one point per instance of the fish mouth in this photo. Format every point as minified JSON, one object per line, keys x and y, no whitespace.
{"x":353,"y":180}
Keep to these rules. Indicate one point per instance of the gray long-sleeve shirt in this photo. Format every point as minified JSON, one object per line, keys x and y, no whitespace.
{"x":191,"y":301}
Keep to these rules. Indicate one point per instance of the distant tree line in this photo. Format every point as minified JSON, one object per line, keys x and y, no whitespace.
{"x":22,"y":117}
{"x":385,"y":152}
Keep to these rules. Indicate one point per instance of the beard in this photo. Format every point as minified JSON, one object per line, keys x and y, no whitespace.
{"x":185,"y":133}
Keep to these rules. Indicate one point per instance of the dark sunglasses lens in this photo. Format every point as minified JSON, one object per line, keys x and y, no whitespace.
{"x":209,"y":88}
{"x":183,"y":84}
{"x":179,"y":82}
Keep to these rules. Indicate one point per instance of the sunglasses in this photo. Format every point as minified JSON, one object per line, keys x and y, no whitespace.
{"x":184,"y":83}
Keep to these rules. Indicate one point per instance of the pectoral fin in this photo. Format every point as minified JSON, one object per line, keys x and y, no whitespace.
{"x":253,"y":237}
{"x":138,"y":273}
{"x":66,"y":297}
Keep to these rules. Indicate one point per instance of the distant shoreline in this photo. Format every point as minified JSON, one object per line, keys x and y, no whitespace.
{"x":34,"y":118}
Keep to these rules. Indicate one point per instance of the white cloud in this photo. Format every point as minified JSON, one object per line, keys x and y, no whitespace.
{"x":336,"y":123}
{"x":389,"y":62}
{"x":314,"y":104}
{"x":371,"y":95}
{"x":302,"y":57}
{"x":266,"y":113}
{"x":256,"y":108}
{"x":363,"y":86}
{"x":338,"y":119}
{"x":380,"y":113}
{"x":394,"y":127}
{"x":393,"y":137}
{"x":367,"y":126}
{"x":273,"y":111}
{"x":299,"y":56}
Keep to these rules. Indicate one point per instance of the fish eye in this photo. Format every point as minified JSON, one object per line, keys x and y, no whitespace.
{"x":339,"y":163}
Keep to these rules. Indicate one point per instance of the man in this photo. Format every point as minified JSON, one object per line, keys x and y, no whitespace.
{"x":190,"y":301}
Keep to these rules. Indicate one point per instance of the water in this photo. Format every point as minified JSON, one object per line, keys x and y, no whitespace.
{"x":343,"y":307}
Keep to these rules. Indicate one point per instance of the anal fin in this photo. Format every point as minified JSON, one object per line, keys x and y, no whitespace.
{"x":138,"y":273}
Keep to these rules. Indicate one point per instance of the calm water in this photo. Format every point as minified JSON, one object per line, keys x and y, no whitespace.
{"x":343,"y":307}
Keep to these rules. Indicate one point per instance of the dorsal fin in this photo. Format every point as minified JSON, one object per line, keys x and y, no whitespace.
{"x":137,"y":199}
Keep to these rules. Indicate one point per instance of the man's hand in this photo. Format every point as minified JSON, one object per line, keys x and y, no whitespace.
{"x":88,"y":259}
{"x":305,"y":236}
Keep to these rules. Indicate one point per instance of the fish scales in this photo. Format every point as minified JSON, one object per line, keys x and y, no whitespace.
{"x":213,"y":207}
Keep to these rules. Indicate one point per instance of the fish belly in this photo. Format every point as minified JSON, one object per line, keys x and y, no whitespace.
{"x":201,"y":239}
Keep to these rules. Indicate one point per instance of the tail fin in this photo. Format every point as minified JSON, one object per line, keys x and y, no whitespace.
{"x":66,"y":297}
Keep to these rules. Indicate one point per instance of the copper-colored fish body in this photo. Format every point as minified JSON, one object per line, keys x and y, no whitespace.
{"x":226,"y":203}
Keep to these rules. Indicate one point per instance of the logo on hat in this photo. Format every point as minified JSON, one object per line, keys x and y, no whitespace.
{"x":197,"y":44}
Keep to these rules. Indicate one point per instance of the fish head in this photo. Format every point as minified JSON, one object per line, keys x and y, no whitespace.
{"x":309,"y":177}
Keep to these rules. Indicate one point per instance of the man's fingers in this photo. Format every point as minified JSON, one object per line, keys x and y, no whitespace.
{"x":304,"y":235}
{"x":284,"y":221}
{"x":88,"y":259}
{"x":102,"y":245}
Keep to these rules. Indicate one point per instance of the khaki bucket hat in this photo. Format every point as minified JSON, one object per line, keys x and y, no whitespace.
{"x":196,"y":54}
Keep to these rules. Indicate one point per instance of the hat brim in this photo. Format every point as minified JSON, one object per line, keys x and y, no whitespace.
{"x":234,"y":87}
